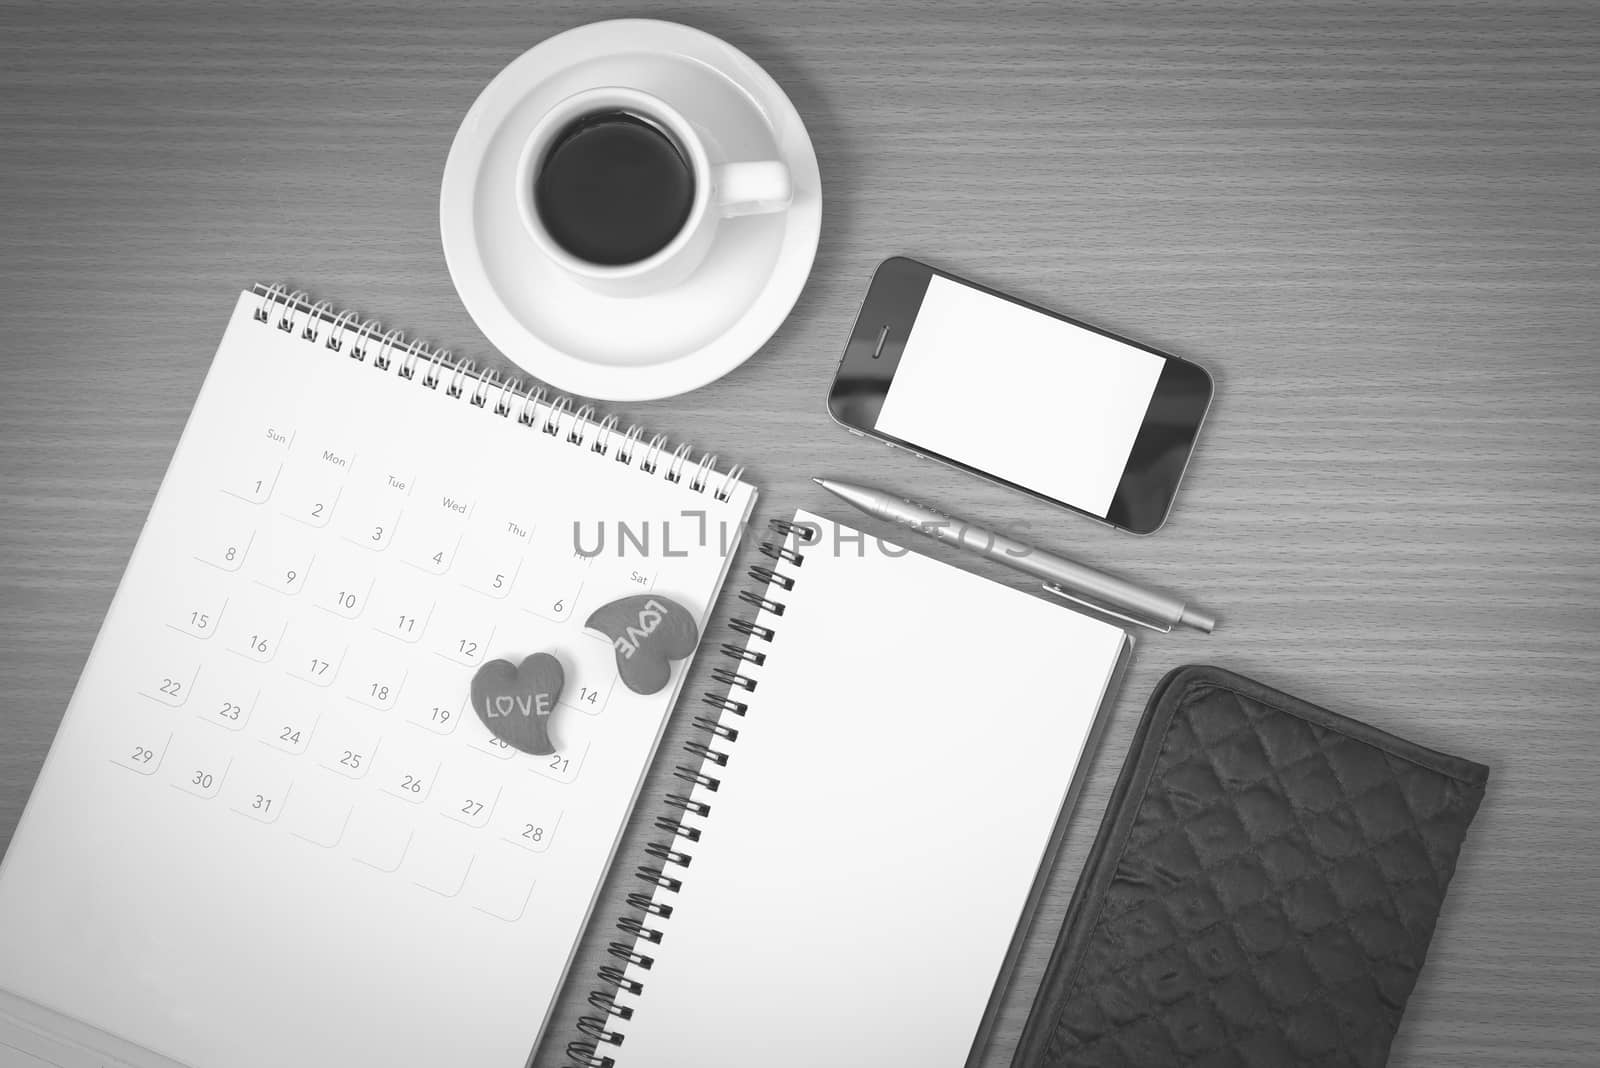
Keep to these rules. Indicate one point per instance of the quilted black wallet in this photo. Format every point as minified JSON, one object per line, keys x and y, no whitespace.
{"x":1261,"y":891}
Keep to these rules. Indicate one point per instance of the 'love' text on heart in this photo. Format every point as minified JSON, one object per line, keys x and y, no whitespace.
{"x":650,"y":617}
{"x":535,"y":705}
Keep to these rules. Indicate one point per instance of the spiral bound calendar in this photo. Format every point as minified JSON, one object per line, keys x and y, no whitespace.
{"x":860,"y":839}
{"x":271,"y":829}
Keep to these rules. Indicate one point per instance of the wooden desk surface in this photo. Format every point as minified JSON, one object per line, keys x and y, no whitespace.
{"x":1375,"y":223}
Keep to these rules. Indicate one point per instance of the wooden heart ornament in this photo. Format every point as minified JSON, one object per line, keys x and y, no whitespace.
{"x":515,"y":702}
{"x":648,"y":631}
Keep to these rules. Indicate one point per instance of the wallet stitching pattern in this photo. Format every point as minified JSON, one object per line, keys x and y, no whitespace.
{"x":1198,"y":690}
{"x":1274,"y":776}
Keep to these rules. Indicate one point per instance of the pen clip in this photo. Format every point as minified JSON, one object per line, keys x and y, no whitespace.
{"x":1051,"y":587}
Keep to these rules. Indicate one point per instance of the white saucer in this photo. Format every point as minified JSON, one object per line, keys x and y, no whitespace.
{"x":629,"y":348}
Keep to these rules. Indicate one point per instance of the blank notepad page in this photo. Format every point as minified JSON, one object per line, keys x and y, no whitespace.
{"x":909,"y":739}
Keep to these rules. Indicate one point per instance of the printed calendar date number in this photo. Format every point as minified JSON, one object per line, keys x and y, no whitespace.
{"x":142,"y":754}
{"x":532,"y":833}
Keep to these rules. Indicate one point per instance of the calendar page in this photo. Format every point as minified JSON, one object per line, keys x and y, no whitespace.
{"x":272,"y":830}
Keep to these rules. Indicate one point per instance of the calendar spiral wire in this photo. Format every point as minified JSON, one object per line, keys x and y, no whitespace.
{"x":366,"y":341}
{"x":669,"y":859}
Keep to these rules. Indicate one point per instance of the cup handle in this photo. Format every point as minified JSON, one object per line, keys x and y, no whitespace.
{"x":753,"y":188}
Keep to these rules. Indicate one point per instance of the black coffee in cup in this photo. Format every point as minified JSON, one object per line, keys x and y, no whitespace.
{"x":613,"y":188}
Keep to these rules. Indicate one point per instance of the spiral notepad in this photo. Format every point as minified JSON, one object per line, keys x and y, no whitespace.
{"x":859,"y":842}
{"x":271,"y":830}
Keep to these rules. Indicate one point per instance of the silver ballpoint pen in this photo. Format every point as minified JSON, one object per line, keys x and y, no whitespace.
{"x":1064,"y":578}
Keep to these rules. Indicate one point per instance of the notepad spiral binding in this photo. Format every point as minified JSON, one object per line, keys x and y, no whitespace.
{"x":685,"y":828}
{"x":366,"y":341}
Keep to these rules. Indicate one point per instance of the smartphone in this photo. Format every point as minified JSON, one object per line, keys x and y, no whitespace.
{"x":1025,"y":397}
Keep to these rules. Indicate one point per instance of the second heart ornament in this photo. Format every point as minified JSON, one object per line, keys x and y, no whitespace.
{"x":515,"y":701}
{"x":648,"y":631}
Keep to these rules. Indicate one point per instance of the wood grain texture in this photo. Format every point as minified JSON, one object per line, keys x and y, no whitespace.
{"x":1376,"y":223}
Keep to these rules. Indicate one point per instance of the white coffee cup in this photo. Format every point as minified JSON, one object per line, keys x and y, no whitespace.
{"x":721,"y":190}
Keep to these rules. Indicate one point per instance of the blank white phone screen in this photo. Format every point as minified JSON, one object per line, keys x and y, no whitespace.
{"x":1029,"y":399}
